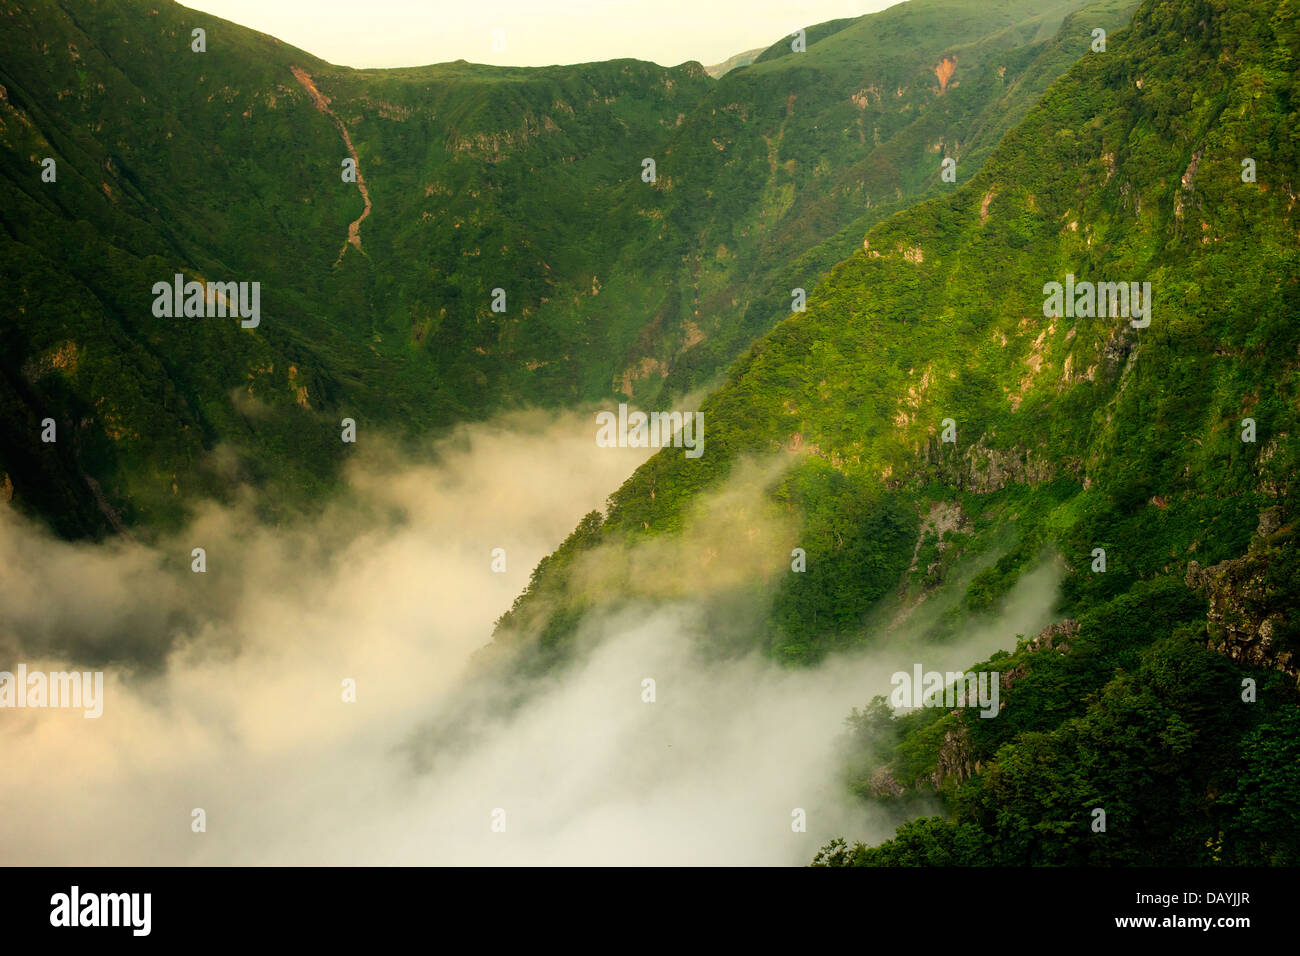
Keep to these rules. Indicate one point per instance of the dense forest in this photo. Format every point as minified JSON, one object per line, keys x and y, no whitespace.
{"x":1166,"y":692}
{"x":926,"y":433}
{"x":225,"y":165}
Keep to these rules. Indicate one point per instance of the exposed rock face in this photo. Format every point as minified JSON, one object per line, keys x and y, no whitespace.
{"x":981,"y":469}
{"x":883,"y":784}
{"x":991,"y":469}
{"x":1118,"y":347}
{"x":944,"y":517}
{"x":944,"y":71}
{"x":955,"y":757}
{"x":1248,"y":618}
{"x":1240,"y":624}
{"x":1270,"y":522}
{"x":1188,"y":184}
{"x":1054,"y":637}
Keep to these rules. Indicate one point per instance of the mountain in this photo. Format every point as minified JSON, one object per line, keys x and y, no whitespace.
{"x":944,"y":420}
{"x":377,"y":296}
{"x":787,"y":162}
{"x":226,"y":165}
{"x":733,"y":62}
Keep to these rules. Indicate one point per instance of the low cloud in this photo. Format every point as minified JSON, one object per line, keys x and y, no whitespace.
{"x":223,"y":690}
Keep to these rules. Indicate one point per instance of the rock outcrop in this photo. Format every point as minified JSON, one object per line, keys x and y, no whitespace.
{"x":1250,"y":619}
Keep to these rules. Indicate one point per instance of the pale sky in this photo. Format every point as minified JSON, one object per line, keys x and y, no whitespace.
{"x":379,"y":33}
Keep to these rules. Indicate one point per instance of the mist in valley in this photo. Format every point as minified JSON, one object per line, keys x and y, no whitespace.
{"x":224,"y":690}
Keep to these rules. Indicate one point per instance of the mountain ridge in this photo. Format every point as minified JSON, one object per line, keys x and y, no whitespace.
{"x":1127,"y":449}
{"x":464,"y":166}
